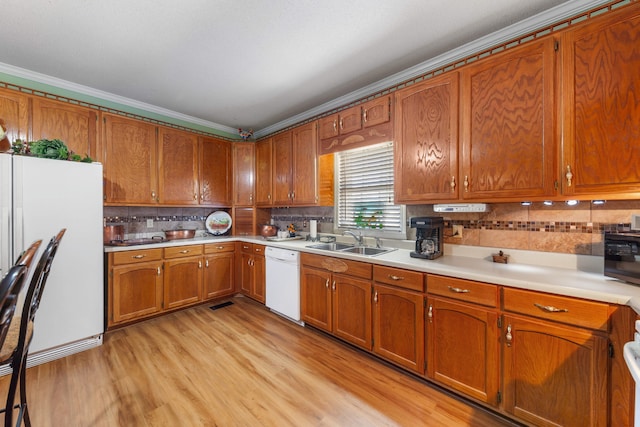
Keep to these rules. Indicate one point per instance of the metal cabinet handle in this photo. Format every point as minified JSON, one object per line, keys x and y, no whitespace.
{"x":220,"y":247}
{"x":153,"y":195}
{"x":326,"y":285}
{"x":569,"y":175}
{"x":138,"y":256}
{"x":335,"y":125}
{"x":159,"y":271}
{"x":430,"y":313}
{"x":206,"y":263}
{"x":364,"y":115}
{"x":550,"y":308}
{"x":466,"y":183}
{"x":195,"y":196}
{"x":199,"y":264}
{"x":341,"y":124}
{"x":453,"y":184}
{"x":508,"y":336}
{"x":458,"y":290}
{"x":394,"y":277}
{"x":375,"y":296}
{"x":185,"y":251}
{"x":333,"y":285}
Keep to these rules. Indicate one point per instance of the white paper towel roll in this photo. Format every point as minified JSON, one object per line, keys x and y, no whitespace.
{"x":313,"y":228}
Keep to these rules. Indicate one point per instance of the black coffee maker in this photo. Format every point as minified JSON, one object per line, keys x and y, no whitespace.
{"x":429,"y":235}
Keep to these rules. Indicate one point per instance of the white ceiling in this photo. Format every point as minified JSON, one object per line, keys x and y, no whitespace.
{"x":241,"y":63}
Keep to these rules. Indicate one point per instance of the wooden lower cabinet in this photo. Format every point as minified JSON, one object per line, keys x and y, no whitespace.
{"x":463,"y":351}
{"x":554,"y":374}
{"x":462,"y":326}
{"x":135,"y":282}
{"x":339,"y":303}
{"x":398,"y":326}
{"x":252,"y":271}
{"x":145,"y":283}
{"x":219,"y":267}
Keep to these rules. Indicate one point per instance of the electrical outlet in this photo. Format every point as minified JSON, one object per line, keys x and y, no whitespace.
{"x":149,"y":223}
{"x":457,"y":231}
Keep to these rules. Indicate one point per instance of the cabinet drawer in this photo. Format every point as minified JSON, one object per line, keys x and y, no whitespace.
{"x":335,"y":265}
{"x":401,"y":278}
{"x":219,"y":247}
{"x":258,"y":249}
{"x":135,"y":256}
{"x":246,"y":247}
{"x":182,"y":251}
{"x":578,"y":312}
{"x":463,"y":290}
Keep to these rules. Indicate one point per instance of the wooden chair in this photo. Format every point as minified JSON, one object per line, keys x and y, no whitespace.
{"x":18,"y":357}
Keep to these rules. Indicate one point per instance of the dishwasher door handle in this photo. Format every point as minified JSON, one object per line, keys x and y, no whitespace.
{"x":288,"y":261}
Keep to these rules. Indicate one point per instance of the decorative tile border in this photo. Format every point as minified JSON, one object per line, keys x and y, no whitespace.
{"x":546,"y":226}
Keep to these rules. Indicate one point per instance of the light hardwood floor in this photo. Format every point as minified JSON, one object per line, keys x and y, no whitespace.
{"x":240,"y":365}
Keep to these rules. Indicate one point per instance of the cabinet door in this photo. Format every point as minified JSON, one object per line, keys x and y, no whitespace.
{"x":215,"y":172}
{"x":426,"y":146}
{"x":258,"y":287}
{"x":457,"y":334}
{"x":398,"y":326}
{"x":218,"y":275}
{"x":182,"y":281}
{"x":315,"y":297}
{"x":282,"y":161}
{"x":350,"y":120}
{"x":376,"y":112}
{"x":136,"y":291}
{"x":130,"y":161}
{"x":246,"y":273}
{"x":264,"y":182}
{"x":352,"y":310}
{"x":177,"y":167}
{"x":554,"y":375}
{"x":507,"y":122}
{"x":14,"y":117}
{"x":601,"y":116}
{"x":74,"y":125}
{"x":305,"y":165}
{"x":328,"y":126}
{"x":243,"y":173}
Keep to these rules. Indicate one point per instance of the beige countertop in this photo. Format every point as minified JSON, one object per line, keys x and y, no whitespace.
{"x":562,"y":274}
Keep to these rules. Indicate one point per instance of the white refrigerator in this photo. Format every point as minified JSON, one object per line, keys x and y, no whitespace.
{"x":39,"y":197}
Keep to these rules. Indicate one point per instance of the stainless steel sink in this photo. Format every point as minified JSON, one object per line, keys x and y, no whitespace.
{"x":367,"y":250}
{"x":334,"y":246}
{"x":352,"y":249}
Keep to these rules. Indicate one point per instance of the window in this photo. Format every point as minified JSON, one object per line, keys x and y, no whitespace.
{"x":364,"y":193}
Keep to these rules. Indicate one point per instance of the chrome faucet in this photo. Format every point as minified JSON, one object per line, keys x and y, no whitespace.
{"x":358,"y":237}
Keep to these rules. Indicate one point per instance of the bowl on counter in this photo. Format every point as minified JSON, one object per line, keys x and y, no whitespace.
{"x":268,"y":230}
{"x":186,"y":233}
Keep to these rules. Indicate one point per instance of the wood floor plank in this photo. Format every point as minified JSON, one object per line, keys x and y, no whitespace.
{"x":240,"y":365}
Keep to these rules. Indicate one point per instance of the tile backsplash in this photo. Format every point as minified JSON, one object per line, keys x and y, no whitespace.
{"x":557,"y":228}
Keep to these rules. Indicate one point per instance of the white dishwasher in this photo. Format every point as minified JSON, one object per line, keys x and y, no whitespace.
{"x":283,"y":282}
{"x":631,"y":352}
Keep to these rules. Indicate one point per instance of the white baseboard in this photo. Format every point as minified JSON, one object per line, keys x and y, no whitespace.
{"x":65,"y":350}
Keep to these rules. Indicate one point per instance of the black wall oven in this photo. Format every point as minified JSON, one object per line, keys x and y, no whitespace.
{"x":622,"y":256}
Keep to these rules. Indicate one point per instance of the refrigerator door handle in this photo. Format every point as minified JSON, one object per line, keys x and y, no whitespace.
{"x":18,"y":233}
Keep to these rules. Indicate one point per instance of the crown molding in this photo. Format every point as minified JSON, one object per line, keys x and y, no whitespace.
{"x":545,"y":19}
{"x":107,"y":96}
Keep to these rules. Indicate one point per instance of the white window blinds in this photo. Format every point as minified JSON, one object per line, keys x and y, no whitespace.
{"x":365,"y":191}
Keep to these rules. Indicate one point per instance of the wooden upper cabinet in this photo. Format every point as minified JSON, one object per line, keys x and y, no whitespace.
{"x":601,"y":118}
{"x":507,"y":122}
{"x":130,"y":161}
{"x":282,"y":160}
{"x":76,"y":126}
{"x":304,"y":168}
{"x":426,"y":147}
{"x":264,"y":176}
{"x":376,"y":112}
{"x":243,"y":173}
{"x":177,"y":167}
{"x":215,"y":172}
{"x":14,"y":117}
{"x":346,"y":121}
